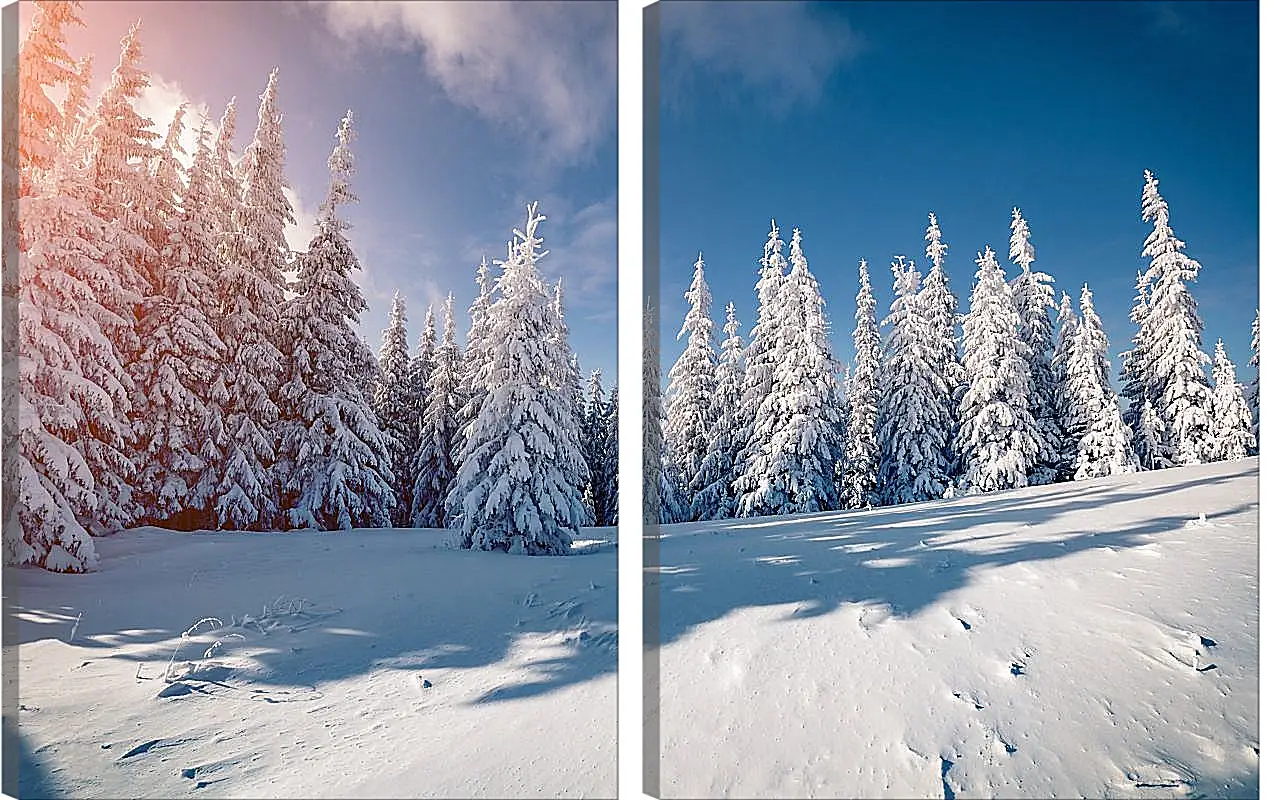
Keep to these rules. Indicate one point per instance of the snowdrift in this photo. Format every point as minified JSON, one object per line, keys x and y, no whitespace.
{"x":1092,"y":639}
{"x":370,"y":663}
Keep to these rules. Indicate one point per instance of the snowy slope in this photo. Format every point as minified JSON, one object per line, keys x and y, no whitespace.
{"x":325,"y":697}
{"x":1089,"y":639}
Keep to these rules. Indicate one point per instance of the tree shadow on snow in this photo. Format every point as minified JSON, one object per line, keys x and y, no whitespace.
{"x":902,"y":557}
{"x":402,"y":606}
{"x":30,"y":780}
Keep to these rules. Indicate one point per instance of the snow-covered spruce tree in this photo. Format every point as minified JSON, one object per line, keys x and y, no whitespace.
{"x":1171,"y":334}
{"x":71,"y":382}
{"x":43,"y":64}
{"x":180,"y":356}
{"x":713,"y":486}
{"x":1033,"y":296}
{"x":120,"y":148}
{"x":912,"y":432}
{"x":418,"y":374}
{"x":803,"y":420}
{"x":1067,"y":329}
{"x":434,"y":467}
{"x":599,"y":450}
{"x":997,"y":437}
{"x":335,"y":464}
{"x":937,"y":307}
{"x":1151,"y":448}
{"x":1253,"y":387}
{"x":859,"y":488}
{"x":690,"y":395}
{"x":661,"y":502}
{"x":606,"y":502}
{"x":521,"y":465}
{"x":474,"y":384}
{"x":75,"y":108}
{"x":760,"y":364}
{"x":569,"y":380}
{"x":1232,"y":436}
{"x":1104,"y":444}
{"x":1133,"y":372}
{"x":252,"y":292}
{"x":396,"y":406}
{"x":223,"y":198}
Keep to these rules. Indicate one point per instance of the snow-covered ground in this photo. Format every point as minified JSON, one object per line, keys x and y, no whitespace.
{"x":1096,"y":639}
{"x":373,"y":663}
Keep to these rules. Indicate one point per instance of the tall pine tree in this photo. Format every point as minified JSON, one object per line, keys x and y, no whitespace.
{"x":997,"y":436}
{"x":335,"y":463}
{"x":521,"y":466}
{"x":713,"y":487}
{"x":1232,"y":436}
{"x":1033,"y":296}
{"x":252,"y":293}
{"x":862,"y":449}
{"x":395,"y":404}
{"x":690,"y":395}
{"x":1103,"y":442}
{"x":434,"y":466}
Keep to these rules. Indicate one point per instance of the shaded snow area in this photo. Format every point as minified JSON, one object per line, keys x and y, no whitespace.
{"x":1092,"y":639}
{"x":373,"y":663}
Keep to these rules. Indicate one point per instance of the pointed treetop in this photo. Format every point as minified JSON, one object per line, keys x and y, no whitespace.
{"x":732,"y":325}
{"x":1021,"y":251}
{"x":341,"y":170}
{"x":935,"y":250}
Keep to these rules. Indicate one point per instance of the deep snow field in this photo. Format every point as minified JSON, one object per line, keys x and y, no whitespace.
{"x":376,"y":663}
{"x":1095,"y":639}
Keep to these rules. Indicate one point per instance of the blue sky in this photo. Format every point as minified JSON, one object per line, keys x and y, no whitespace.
{"x":461,"y":119}
{"x":854,"y":120}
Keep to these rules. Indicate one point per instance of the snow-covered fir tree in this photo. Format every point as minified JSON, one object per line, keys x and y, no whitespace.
{"x":1231,"y":434}
{"x":71,"y":383}
{"x":690,"y":394}
{"x":599,"y":450}
{"x":859,"y":488}
{"x":474,"y":384}
{"x":760,"y":365}
{"x":713,"y":486}
{"x":180,"y":352}
{"x":223,"y":199}
{"x":1103,"y":440}
{"x":417,"y":377}
{"x":1176,"y":379}
{"x":252,"y":293}
{"x":997,"y":435}
{"x":937,"y":308}
{"x":433,"y":465}
{"x":606,"y":500}
{"x":1033,"y":296}
{"x":661,"y":500}
{"x":75,"y":108}
{"x":43,"y":64}
{"x":335,"y":464}
{"x":1133,"y":372}
{"x":521,"y":464}
{"x":120,"y":147}
{"x":803,"y":419}
{"x":1152,"y":452}
{"x":912,"y":432}
{"x":1253,"y":387}
{"x":396,"y":406}
{"x":1067,"y":329}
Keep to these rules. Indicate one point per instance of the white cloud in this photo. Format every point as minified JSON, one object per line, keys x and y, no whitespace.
{"x":547,"y":70}
{"x":785,"y":51}
{"x":304,"y":229}
{"x":159,"y":102}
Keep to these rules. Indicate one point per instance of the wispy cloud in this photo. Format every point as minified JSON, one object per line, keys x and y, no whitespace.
{"x":158,"y":102}
{"x":547,"y":70}
{"x":783,"y":51}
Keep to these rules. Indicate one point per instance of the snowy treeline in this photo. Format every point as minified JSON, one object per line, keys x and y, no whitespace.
{"x":179,"y":365}
{"x":1019,"y":398}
